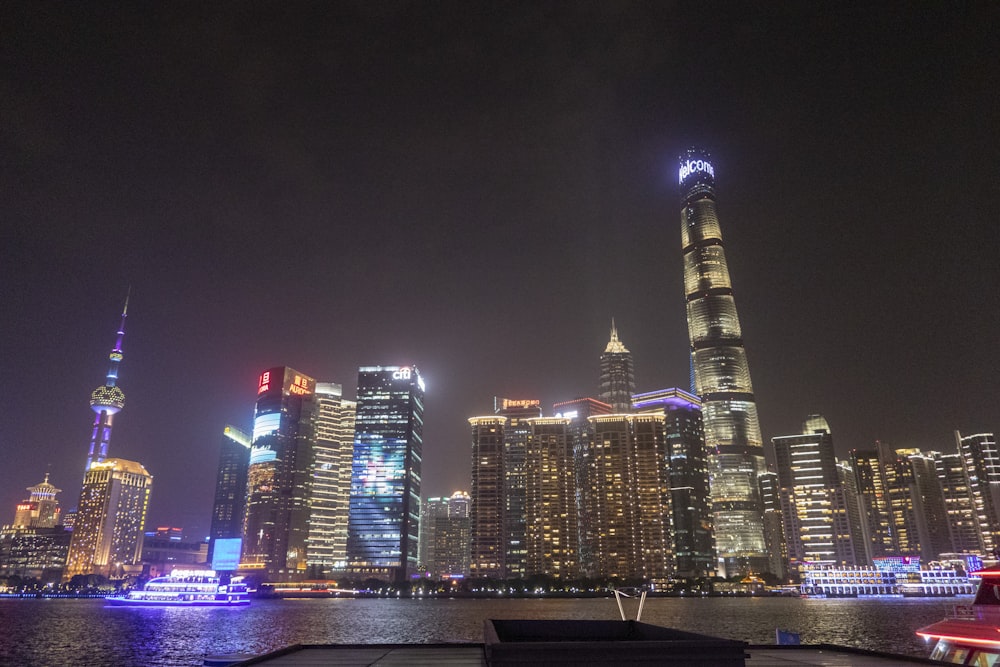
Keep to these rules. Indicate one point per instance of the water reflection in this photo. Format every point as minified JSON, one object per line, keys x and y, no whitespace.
{"x":85,"y":632}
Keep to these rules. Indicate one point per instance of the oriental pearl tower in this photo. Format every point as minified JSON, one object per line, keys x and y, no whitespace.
{"x":107,"y":400}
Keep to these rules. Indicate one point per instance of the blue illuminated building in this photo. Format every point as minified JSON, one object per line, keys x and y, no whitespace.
{"x":230,"y":489}
{"x":383,"y":523}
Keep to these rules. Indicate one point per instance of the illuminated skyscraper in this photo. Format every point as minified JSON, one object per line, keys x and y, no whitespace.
{"x":774,"y":525}
{"x":384,"y":522}
{"x":960,"y":504}
{"x":627,"y":496}
{"x":551,"y":530}
{"x":111,"y":516}
{"x":721,"y":374}
{"x":487,"y":507}
{"x":279,"y":478}
{"x":874,"y":502}
{"x":813,"y":503}
{"x":106,"y":401}
{"x":333,"y":447}
{"x":687,"y":461}
{"x":515,"y":442}
{"x":934,"y":534}
{"x":982,"y":466}
{"x":855,"y":517}
{"x":229,"y":506}
{"x":617,"y":374}
{"x":444,"y":536}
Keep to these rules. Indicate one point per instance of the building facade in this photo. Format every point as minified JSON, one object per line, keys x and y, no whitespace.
{"x":487,"y":509}
{"x":279,"y":477}
{"x":229,"y":505}
{"x":333,"y":449}
{"x":551,"y":527}
{"x":517,"y":429}
{"x":721,"y":374}
{"x":960,"y":505}
{"x":111,"y":516}
{"x":690,"y":495}
{"x":617,"y":374}
{"x":982,"y":466}
{"x":384,"y":517}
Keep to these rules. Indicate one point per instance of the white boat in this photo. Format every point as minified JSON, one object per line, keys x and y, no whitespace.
{"x":186,"y":588}
{"x":971,"y":634}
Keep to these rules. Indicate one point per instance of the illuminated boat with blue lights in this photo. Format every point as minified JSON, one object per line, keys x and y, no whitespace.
{"x":186,"y":588}
{"x":971,"y":634}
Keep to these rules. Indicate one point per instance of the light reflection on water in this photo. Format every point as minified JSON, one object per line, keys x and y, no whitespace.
{"x":86,"y":633}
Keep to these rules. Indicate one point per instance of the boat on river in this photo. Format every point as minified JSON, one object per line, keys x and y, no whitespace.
{"x":186,"y":588}
{"x":970,"y":635}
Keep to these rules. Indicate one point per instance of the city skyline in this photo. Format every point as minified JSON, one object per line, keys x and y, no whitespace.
{"x":250,"y":203}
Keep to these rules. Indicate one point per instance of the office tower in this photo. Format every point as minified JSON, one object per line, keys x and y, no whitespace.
{"x":690,"y":497}
{"x":960,"y":505}
{"x":721,"y":374}
{"x":774,"y":525}
{"x":626,"y":494}
{"x":934,"y":535}
{"x":551,"y":545}
{"x":384,"y":521}
{"x":813,"y":504}
{"x":41,"y":509}
{"x":107,"y":400}
{"x":333,"y":449}
{"x":982,"y":466}
{"x":516,"y":431}
{"x":855,"y":517}
{"x":578,"y":411}
{"x":230,"y":488}
{"x":617,"y":374}
{"x":279,"y":477}
{"x":444,"y":536}
{"x":111,"y":515}
{"x":32,"y":552}
{"x":487,"y":506}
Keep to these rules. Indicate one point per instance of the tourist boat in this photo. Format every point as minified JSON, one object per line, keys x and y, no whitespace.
{"x":890,"y":577}
{"x":186,"y":588}
{"x":971,"y":634}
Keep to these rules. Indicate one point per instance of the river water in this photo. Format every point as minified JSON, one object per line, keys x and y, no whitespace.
{"x":57,"y":632}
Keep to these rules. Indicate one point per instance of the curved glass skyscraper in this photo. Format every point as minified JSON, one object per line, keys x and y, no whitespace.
{"x":721,"y":375}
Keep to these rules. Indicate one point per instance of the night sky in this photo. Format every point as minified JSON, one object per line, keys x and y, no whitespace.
{"x":477,"y":189}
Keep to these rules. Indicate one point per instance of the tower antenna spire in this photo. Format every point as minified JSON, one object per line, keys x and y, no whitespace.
{"x":108,"y":400}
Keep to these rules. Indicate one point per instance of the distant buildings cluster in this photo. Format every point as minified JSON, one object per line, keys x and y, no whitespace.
{"x":653,"y":487}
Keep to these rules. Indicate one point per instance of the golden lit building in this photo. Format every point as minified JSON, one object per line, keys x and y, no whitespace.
{"x":551,"y":543}
{"x":486,"y":510}
{"x":111,"y":516}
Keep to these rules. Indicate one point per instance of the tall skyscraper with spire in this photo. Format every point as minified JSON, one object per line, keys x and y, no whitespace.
{"x":106,"y":401}
{"x":617,"y":374}
{"x":721,"y":374}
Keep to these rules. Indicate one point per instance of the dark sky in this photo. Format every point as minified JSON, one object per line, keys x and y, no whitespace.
{"x":478,"y":189}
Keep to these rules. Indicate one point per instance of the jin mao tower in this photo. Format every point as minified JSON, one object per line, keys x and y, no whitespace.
{"x":721,"y":374}
{"x":617,"y":374}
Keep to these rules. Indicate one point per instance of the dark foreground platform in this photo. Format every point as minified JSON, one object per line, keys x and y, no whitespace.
{"x":562,"y":643}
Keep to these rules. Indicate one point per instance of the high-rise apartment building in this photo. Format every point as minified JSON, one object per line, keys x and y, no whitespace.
{"x":933,"y":532}
{"x":515,"y":446}
{"x":578,"y":411}
{"x":813,"y":502}
{"x":383,"y":529}
{"x":687,"y":462}
{"x":982,"y":466}
{"x":874,"y":503}
{"x":721,"y":374}
{"x":280,"y":476}
{"x":617,"y":374}
{"x":487,"y":509}
{"x":444,"y":536}
{"x":229,"y":505}
{"x":855,"y":516}
{"x":626,"y":494}
{"x":111,"y":516}
{"x":333,"y":449}
{"x":551,"y":529}
{"x":960,"y":505}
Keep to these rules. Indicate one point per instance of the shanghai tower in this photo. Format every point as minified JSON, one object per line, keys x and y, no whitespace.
{"x":721,"y":375}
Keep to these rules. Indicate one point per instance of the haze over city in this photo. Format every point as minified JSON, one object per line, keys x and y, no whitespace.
{"x":478,"y":191}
